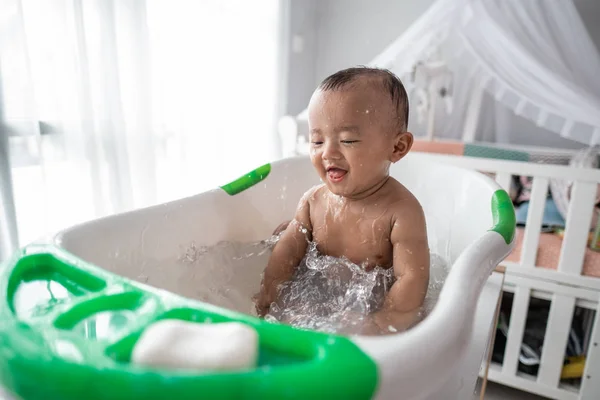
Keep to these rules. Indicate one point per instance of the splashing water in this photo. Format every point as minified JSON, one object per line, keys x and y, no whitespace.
{"x":336,"y":204}
{"x":330,"y":294}
{"x":326,"y":293}
{"x":334,"y":295}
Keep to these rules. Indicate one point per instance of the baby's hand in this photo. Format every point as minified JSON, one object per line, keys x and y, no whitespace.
{"x":261,"y":305}
{"x":370,"y":328}
{"x":282,"y":227}
{"x":393,"y":321}
{"x":355,"y":323}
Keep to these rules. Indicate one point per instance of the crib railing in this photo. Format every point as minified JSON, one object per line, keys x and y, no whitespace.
{"x":583,"y":194}
{"x":565,"y":287}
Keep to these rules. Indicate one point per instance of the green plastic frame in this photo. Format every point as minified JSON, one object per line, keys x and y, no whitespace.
{"x":248,"y":180}
{"x":293,"y":363}
{"x":503,"y":213}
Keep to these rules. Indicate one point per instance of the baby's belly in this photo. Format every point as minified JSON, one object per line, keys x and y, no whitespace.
{"x":367,"y":257}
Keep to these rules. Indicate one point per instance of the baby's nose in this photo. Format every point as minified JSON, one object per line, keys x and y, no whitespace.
{"x":331,"y":151}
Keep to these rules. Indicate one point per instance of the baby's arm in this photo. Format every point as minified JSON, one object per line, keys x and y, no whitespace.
{"x":411,"y":268}
{"x":287,"y":254}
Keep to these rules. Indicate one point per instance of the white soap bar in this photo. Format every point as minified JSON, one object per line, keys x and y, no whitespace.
{"x":189,"y":345}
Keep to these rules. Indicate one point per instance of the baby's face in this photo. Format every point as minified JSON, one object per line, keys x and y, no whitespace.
{"x":354,"y":138}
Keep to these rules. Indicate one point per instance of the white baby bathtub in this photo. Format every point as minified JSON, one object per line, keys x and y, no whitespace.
{"x":470,"y":221}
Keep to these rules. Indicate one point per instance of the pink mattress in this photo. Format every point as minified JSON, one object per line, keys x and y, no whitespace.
{"x":549,"y":252}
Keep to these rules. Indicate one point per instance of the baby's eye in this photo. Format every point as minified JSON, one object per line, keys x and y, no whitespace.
{"x":350,"y":141}
{"x":317,"y":142}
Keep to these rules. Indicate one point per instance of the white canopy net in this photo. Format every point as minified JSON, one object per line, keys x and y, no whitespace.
{"x":506,"y":61}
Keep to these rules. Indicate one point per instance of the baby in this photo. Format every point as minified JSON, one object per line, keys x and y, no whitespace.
{"x":358,"y":121}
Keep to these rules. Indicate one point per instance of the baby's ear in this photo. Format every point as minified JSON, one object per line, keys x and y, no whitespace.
{"x":402,"y":145}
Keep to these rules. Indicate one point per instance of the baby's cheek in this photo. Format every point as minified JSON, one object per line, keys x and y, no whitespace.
{"x":360,"y":160}
{"x":316,"y":161}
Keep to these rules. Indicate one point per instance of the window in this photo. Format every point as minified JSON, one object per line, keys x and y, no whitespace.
{"x":117,"y":105}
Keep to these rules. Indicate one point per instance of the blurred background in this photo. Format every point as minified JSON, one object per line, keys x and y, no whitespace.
{"x":109,"y":105}
{"x":112,"y":105}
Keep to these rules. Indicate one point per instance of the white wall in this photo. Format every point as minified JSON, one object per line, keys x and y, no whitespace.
{"x":302,"y":45}
{"x":341,"y":33}
{"x":589,"y":10}
{"x":354,"y":32}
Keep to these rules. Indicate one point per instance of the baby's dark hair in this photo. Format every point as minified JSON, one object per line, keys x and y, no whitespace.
{"x":390,"y":82}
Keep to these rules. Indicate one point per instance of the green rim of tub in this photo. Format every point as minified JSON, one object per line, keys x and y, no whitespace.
{"x":503,"y":213}
{"x":248,"y":180}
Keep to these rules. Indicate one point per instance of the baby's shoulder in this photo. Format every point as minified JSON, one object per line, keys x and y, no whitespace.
{"x":407,"y":215}
{"x":309,"y":199}
{"x":401,"y":201}
{"x":312,"y":195}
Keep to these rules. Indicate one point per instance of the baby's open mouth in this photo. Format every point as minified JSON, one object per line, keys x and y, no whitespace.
{"x":336,"y":174}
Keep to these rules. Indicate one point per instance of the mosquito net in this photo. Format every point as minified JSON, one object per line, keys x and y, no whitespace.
{"x":514,"y":69}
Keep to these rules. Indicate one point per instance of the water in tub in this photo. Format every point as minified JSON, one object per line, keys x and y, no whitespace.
{"x":326,"y":293}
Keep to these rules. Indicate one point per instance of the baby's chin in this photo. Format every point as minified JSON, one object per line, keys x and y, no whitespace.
{"x":333,"y":188}
{"x":339,"y":190}
{"x":345,"y":188}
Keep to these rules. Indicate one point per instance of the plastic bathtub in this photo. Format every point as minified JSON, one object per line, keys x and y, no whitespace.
{"x":53,"y":348}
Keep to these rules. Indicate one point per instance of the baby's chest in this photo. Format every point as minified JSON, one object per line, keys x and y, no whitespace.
{"x":361,"y":240}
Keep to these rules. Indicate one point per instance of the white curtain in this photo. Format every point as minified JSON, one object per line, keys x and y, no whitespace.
{"x":537,"y":61}
{"x":110,"y":105}
{"x":525,"y":68}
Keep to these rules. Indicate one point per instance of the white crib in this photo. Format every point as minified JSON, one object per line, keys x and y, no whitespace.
{"x":567,"y":286}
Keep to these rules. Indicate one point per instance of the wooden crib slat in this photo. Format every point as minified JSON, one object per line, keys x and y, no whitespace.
{"x":503,"y":179}
{"x":590,"y":384}
{"x":541,"y":285}
{"x":516,"y":327}
{"x":579,"y":217}
{"x":555,"y":339}
{"x":533,"y":225}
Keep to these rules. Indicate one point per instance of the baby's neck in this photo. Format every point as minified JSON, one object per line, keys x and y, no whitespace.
{"x":369,"y":192}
